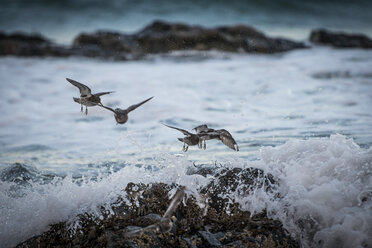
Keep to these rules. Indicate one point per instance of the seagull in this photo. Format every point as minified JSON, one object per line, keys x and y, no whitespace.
{"x":86,"y":97}
{"x":206,"y":133}
{"x":190,"y":139}
{"x":166,"y":222}
{"x":121,"y":115}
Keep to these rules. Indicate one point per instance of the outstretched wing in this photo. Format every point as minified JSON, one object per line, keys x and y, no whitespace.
{"x":175,"y":202}
{"x":141,"y":231}
{"x":201,"y":128}
{"x":227,"y":139}
{"x":78,"y":100}
{"x":108,"y":108}
{"x":84,"y":90}
{"x":179,"y":129}
{"x":103,"y":93}
{"x":133,"y":107}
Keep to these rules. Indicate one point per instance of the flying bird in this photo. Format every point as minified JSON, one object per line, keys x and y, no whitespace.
{"x":206,"y":133}
{"x":121,"y":115}
{"x":86,"y":97}
{"x":190,"y":139}
{"x":167,"y":221}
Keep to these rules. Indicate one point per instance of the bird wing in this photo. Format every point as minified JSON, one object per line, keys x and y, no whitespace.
{"x":200,"y":128}
{"x":103,"y":93}
{"x":141,"y":231}
{"x":175,"y":202}
{"x":107,"y":108}
{"x":84,"y":90}
{"x":179,"y":129}
{"x":78,"y":100}
{"x":227,"y":139}
{"x":133,"y":107}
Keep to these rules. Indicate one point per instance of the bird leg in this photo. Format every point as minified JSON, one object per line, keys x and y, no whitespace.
{"x":81,"y":109}
{"x":185,"y":147}
{"x":86,"y":110}
{"x":205,"y":145}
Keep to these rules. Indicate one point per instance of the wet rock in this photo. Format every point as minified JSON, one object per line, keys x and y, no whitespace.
{"x":104,"y":44}
{"x":30,"y":45}
{"x":223,"y":225}
{"x":158,"y":37}
{"x":236,"y":244}
{"x":210,"y":239}
{"x":341,"y":40}
{"x":203,"y":170}
{"x":189,"y":243}
{"x":236,"y":182}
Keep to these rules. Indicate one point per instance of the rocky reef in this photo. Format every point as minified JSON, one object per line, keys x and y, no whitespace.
{"x":158,"y":37}
{"x":30,"y":45}
{"x":214,"y":220}
{"x":340,"y":40}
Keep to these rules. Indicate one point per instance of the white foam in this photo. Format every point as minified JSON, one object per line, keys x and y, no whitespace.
{"x":63,"y":200}
{"x":321,"y":181}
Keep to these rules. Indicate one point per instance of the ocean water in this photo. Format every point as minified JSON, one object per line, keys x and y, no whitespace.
{"x":303,"y":116}
{"x":288,"y":18}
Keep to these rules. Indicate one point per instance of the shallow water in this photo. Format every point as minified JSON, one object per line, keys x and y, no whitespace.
{"x":303,"y":116}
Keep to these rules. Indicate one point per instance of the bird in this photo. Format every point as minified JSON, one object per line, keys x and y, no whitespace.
{"x":166,"y":222}
{"x":121,"y":115}
{"x":190,"y":139}
{"x":86,"y":97}
{"x":206,"y":133}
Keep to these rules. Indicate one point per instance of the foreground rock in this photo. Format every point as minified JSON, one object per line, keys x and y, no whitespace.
{"x":158,"y":37}
{"x":326,"y":37}
{"x":221,"y":223}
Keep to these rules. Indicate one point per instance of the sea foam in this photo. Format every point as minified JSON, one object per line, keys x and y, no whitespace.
{"x":325,"y":188}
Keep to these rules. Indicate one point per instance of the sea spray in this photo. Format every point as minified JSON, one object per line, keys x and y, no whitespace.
{"x":320,"y":183}
{"x":321,"y":195}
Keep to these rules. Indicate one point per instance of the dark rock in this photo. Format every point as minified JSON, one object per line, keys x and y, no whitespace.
{"x":236,"y":181}
{"x":322,"y":36}
{"x":158,"y":37}
{"x":219,"y":235}
{"x":20,"y":44}
{"x":236,"y":244}
{"x":210,"y":239}
{"x":193,"y":227}
{"x":189,"y":243}
{"x":203,"y":170}
{"x":106,"y":45}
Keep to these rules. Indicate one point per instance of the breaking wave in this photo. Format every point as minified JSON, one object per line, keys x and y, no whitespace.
{"x":325,"y":192}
